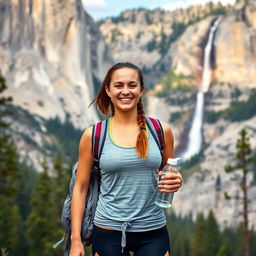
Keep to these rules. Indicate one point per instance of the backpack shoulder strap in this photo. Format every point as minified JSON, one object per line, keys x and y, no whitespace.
{"x":99,"y":132}
{"x":156,"y":130}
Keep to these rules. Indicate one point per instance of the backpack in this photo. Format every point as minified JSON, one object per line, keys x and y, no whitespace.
{"x":98,"y":138}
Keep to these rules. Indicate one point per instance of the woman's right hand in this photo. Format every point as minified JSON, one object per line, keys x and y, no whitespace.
{"x":77,"y":249}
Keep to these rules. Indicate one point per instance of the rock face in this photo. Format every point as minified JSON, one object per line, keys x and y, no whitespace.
{"x":201,"y":191}
{"x":236,"y":53}
{"x":185,"y":54}
{"x":51,"y":52}
{"x":143,"y":37}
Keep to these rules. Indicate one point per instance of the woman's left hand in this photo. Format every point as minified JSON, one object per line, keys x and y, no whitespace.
{"x":170,"y":182}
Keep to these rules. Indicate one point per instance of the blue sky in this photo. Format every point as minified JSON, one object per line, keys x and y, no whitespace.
{"x":104,"y":8}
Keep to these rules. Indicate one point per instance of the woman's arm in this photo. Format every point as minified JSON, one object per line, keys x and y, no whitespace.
{"x":85,"y":163}
{"x":168,"y":143}
{"x":173,"y":181}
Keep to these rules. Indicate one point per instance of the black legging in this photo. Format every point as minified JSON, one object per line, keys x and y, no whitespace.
{"x":149,"y":243}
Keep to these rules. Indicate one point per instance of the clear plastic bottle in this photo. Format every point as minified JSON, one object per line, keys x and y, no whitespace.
{"x":163,"y":199}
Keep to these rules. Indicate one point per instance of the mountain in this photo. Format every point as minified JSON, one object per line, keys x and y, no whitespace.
{"x":51,"y":54}
{"x":53,"y":57}
{"x":145,"y":37}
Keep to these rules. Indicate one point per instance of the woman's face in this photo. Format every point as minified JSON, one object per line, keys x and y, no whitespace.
{"x":125,"y":89}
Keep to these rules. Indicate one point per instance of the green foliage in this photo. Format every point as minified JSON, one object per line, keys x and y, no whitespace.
{"x":41,"y":224}
{"x":178,"y":30}
{"x":163,"y":45}
{"x":194,"y":160}
{"x":118,"y":19}
{"x":212,"y":233}
{"x":173,"y":82}
{"x":151,"y":45}
{"x":221,"y":10}
{"x":10,"y":223}
{"x":67,"y":135}
{"x":148,"y":19}
{"x":62,"y":175}
{"x":231,"y":239}
{"x":26,"y":186}
{"x":139,"y":34}
{"x":115,"y":33}
{"x":180,"y":230}
{"x":198,"y":238}
{"x":218,"y":183}
{"x":3,"y":102}
{"x":244,"y":110}
{"x":206,"y":231}
{"x":175,"y":116}
{"x":10,"y":220}
{"x":211,"y":117}
{"x":243,"y":159}
{"x":204,"y":237}
{"x":60,"y":181}
{"x":181,"y":99}
{"x":223,"y":251}
{"x":238,"y":110}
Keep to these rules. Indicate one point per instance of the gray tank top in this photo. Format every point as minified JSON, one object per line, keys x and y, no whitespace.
{"x":128,"y":188}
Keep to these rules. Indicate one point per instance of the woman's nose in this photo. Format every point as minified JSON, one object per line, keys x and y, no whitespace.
{"x":125,"y":90}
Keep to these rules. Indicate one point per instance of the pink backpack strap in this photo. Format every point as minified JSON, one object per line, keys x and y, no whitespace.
{"x":156,"y":130}
{"x":99,"y":131}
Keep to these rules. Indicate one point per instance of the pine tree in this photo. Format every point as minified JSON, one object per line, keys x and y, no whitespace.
{"x":212,"y":235}
{"x":41,"y":222}
{"x":61,"y":179}
{"x":62,"y":175}
{"x":9,"y":175}
{"x":198,"y":238}
{"x":243,"y":158}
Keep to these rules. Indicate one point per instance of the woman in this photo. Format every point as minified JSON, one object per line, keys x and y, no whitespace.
{"x":126,"y":218}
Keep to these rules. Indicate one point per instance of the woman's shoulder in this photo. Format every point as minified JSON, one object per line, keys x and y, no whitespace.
{"x":86,"y":136}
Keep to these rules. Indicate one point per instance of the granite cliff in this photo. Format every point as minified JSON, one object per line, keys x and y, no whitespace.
{"x":51,"y":52}
{"x":52,"y":56}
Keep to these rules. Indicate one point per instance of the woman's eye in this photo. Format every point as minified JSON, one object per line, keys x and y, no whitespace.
{"x":133,"y":85}
{"x":118,"y":86}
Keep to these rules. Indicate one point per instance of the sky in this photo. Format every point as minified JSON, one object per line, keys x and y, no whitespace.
{"x":99,"y":9}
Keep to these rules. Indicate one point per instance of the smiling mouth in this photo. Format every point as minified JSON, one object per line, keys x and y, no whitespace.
{"x":126,"y":99}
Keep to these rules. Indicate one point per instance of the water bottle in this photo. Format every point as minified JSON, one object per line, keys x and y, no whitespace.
{"x":165,"y":199}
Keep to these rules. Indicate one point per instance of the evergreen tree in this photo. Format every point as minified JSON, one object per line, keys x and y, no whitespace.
{"x":26,"y":188}
{"x":198,"y":238}
{"x":62,"y":175}
{"x":41,"y":222}
{"x":243,"y":158}
{"x":9,"y":175}
{"x":212,"y":236}
{"x":223,"y":251}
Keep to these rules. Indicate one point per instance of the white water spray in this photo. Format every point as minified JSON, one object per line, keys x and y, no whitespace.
{"x":195,"y":139}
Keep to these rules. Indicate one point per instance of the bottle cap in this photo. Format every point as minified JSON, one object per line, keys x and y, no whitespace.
{"x":173,"y":161}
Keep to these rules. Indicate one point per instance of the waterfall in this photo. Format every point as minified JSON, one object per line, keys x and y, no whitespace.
{"x":195,"y":139}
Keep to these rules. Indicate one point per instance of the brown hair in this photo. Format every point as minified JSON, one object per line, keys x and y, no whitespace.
{"x":104,"y":104}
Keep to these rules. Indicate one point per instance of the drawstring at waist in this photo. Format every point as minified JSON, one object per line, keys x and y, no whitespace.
{"x":123,"y":229}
